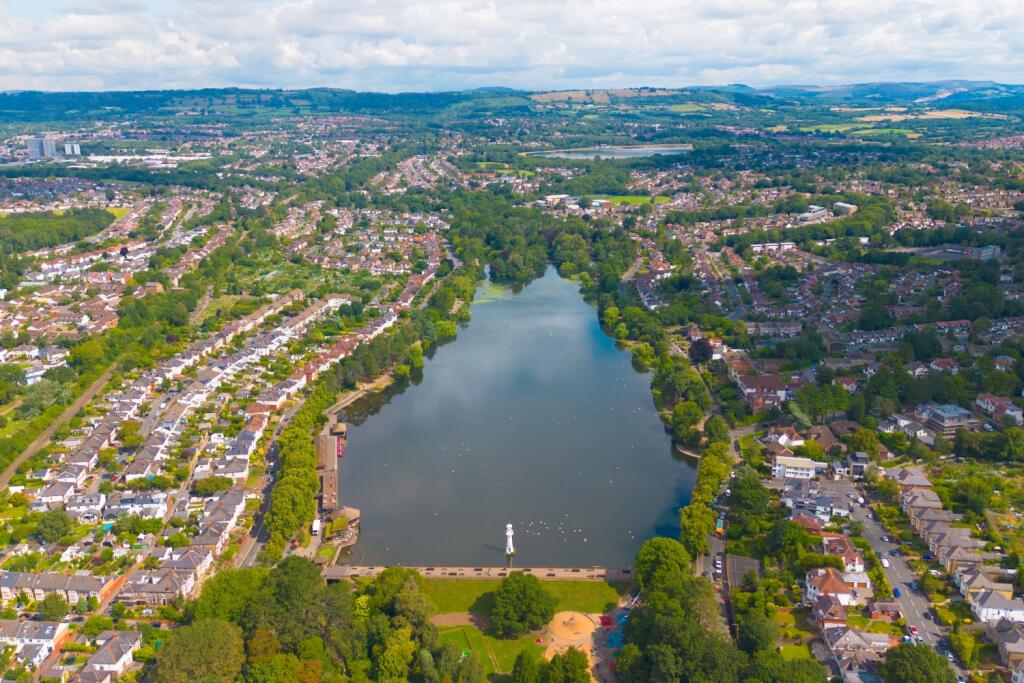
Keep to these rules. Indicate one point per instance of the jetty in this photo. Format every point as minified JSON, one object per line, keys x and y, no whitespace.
{"x":340,"y":523}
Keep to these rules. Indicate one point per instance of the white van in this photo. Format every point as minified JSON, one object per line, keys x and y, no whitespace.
{"x":885,"y":563}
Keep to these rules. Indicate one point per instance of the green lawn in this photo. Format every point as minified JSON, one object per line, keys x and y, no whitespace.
{"x":118,"y":210}
{"x":496,"y":655}
{"x":460,"y":595}
{"x":631,"y":199}
{"x":791,"y":624}
{"x":795,"y":651}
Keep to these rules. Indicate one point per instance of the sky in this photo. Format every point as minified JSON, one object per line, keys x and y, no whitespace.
{"x":431,"y":45}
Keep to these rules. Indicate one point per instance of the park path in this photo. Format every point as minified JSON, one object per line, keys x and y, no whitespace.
{"x":44,"y":438}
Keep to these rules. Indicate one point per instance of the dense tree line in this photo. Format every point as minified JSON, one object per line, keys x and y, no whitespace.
{"x":676,"y":634}
{"x":286,"y":625}
{"x":23,"y":232}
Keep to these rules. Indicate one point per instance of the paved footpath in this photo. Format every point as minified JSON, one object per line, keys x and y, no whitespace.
{"x":339,"y":572}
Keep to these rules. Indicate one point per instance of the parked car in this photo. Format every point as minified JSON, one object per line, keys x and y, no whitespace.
{"x":896,"y":592}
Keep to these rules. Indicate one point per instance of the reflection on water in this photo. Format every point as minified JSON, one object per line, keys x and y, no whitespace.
{"x":532,"y":416}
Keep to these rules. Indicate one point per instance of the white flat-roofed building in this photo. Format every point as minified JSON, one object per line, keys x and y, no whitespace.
{"x":792,"y":467}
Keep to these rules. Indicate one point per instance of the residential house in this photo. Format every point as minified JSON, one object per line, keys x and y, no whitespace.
{"x":829,"y":613}
{"x":116,"y":653}
{"x":827,"y":581}
{"x":39,"y":637}
{"x":843,"y":548}
{"x":999,"y":408}
{"x":1008,"y":636}
{"x":990,"y":606}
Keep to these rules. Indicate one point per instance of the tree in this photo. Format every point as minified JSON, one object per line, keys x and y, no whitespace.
{"x":571,"y":667}
{"x":211,"y":485}
{"x":659,"y":556}
{"x":864,"y":440}
{"x":964,"y":646}
{"x":696,"y":521}
{"x":914,"y":663}
{"x":716,"y":430}
{"x":526,"y":668}
{"x":53,"y":607}
{"x":684,"y":417}
{"x":521,"y":604}
{"x":209,"y":650}
{"x":700,"y":351}
{"x":756,"y":632}
{"x":228,"y":594}
{"x":53,"y":525}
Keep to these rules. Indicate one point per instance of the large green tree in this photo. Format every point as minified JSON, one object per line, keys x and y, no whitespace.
{"x":915,"y":663}
{"x":521,"y":603}
{"x":210,"y":650}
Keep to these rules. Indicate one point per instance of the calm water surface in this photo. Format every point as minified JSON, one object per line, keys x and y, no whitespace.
{"x":625,"y":152}
{"x":532,"y":416}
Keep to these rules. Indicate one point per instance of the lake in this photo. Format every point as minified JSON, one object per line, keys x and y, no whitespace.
{"x":532,"y":416}
{"x":613,"y":152}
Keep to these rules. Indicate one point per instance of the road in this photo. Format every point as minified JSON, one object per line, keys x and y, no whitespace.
{"x":44,"y":438}
{"x":254,"y":542}
{"x":913,"y":603}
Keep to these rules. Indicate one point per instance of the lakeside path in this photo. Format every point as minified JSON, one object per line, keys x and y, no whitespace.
{"x":255,"y":540}
{"x":350,"y":397}
{"x":44,"y":438}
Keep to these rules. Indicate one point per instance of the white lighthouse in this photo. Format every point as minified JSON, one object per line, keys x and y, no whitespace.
{"x":510,"y":549}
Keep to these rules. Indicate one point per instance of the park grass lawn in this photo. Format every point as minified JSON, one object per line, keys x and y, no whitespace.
{"x":118,"y":211}
{"x":325,"y":551}
{"x":495,"y":654}
{"x":471,"y":595}
{"x":795,"y":651}
{"x":631,"y":199}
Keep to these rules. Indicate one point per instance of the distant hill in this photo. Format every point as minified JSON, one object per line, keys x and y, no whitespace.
{"x":897,"y":93}
{"x":238,"y":104}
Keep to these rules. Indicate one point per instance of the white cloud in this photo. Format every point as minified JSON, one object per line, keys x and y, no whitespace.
{"x":450,"y":44}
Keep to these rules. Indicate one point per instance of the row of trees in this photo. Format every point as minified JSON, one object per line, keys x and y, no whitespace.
{"x":286,"y":625}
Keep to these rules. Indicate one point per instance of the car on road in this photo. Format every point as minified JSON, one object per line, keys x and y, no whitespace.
{"x":914,"y":585}
{"x":885,"y":563}
{"x":895,"y":552}
{"x":885,"y":539}
{"x":896,"y":592}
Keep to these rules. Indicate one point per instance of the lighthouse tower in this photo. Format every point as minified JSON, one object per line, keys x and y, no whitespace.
{"x":510,"y":549}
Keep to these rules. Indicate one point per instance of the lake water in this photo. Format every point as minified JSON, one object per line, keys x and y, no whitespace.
{"x":532,"y":416}
{"x":623,"y":152}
